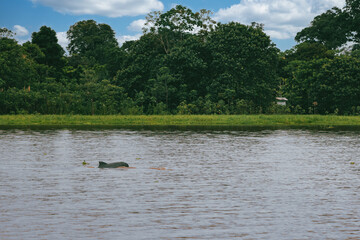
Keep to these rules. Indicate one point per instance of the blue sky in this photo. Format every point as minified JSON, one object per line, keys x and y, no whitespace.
{"x":282,"y":18}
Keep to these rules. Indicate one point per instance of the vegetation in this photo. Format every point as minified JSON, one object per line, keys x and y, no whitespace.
{"x":335,"y":27}
{"x":180,"y":120}
{"x":187,"y":64}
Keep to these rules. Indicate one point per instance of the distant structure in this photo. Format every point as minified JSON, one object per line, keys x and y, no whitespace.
{"x":281,"y":101}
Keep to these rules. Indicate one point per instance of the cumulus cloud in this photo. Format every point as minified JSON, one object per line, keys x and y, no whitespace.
{"x":137,"y":26}
{"x":124,"y":38}
{"x":109,"y":8}
{"x":282,"y":18}
{"x":62,"y":39}
{"x":20,"y":31}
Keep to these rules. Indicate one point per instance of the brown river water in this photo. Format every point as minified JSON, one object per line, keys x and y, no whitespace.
{"x":184,"y":184}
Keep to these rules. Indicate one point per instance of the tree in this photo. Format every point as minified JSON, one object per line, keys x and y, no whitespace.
{"x":47,"y":41}
{"x":33,"y":51}
{"x":289,"y":60}
{"x":335,"y":27}
{"x":330,"y":28}
{"x":162,"y":87}
{"x":339,"y":85}
{"x":176,"y":24}
{"x":16,"y":68}
{"x":142,"y":61}
{"x":244,"y":60}
{"x":325,"y":85}
{"x":352,"y":7}
{"x":6,"y":33}
{"x":189,"y":60}
{"x":300,"y":84}
{"x":91,"y":40}
{"x":94,"y":46}
{"x":308,"y":51}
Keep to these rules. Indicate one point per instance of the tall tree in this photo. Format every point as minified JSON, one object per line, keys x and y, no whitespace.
{"x":307,"y":51}
{"x":16,"y":67}
{"x":47,"y":41}
{"x":352,"y":7}
{"x":244,"y":60}
{"x":335,"y":27}
{"x":142,"y":60}
{"x":91,"y":40}
{"x":189,"y":60}
{"x":176,"y":24}
{"x":330,"y":28}
{"x":162,"y":87}
{"x":6,"y":33}
{"x":325,"y":85}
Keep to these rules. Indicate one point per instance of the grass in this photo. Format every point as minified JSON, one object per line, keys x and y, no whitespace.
{"x":180,"y":120}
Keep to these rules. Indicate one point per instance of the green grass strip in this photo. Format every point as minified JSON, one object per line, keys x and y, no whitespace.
{"x":180,"y":120}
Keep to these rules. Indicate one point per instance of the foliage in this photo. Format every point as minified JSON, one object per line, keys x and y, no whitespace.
{"x":244,"y":64}
{"x":16,"y":68}
{"x":89,"y":38}
{"x":48,"y":43}
{"x":308,"y":51}
{"x":352,"y":7}
{"x":176,"y":24}
{"x":6,"y":33}
{"x":335,"y":27}
{"x":184,"y":63}
{"x":93,"y":44}
{"x":325,"y":85}
{"x":330,"y":28}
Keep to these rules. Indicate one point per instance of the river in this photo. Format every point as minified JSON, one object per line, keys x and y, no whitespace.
{"x":187,"y":184}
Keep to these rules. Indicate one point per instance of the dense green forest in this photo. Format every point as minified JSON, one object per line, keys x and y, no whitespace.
{"x":185,"y":63}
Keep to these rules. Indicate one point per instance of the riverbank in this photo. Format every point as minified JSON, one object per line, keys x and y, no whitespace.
{"x":180,"y":120}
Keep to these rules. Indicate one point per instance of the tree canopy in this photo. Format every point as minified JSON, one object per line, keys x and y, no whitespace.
{"x":47,"y":41}
{"x":184,"y":63}
{"x":335,"y":27}
{"x":91,"y":40}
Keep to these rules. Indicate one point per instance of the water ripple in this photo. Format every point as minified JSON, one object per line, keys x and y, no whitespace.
{"x":278,"y":184}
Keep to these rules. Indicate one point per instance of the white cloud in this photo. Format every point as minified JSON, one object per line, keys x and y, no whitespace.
{"x":124,"y":38}
{"x":278,"y":34}
{"x":62,"y":39}
{"x":20,"y":31}
{"x":109,"y":8}
{"x":137,"y":25}
{"x":282,"y":18}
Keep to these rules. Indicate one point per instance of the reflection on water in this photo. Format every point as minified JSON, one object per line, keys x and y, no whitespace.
{"x":268,"y":184}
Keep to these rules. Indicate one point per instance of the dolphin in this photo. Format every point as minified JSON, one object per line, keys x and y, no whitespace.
{"x":113,"y":165}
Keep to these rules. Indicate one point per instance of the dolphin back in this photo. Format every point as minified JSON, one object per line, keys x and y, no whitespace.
{"x":113,"y":165}
{"x":102,"y":164}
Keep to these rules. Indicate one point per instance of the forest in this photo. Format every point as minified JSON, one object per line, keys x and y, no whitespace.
{"x":185,"y":63}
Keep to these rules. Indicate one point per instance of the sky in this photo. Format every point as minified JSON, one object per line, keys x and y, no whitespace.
{"x":282,"y":19}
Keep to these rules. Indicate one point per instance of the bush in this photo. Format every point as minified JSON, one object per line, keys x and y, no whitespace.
{"x":159,"y":109}
{"x":278,"y":109}
{"x":186,"y":109}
